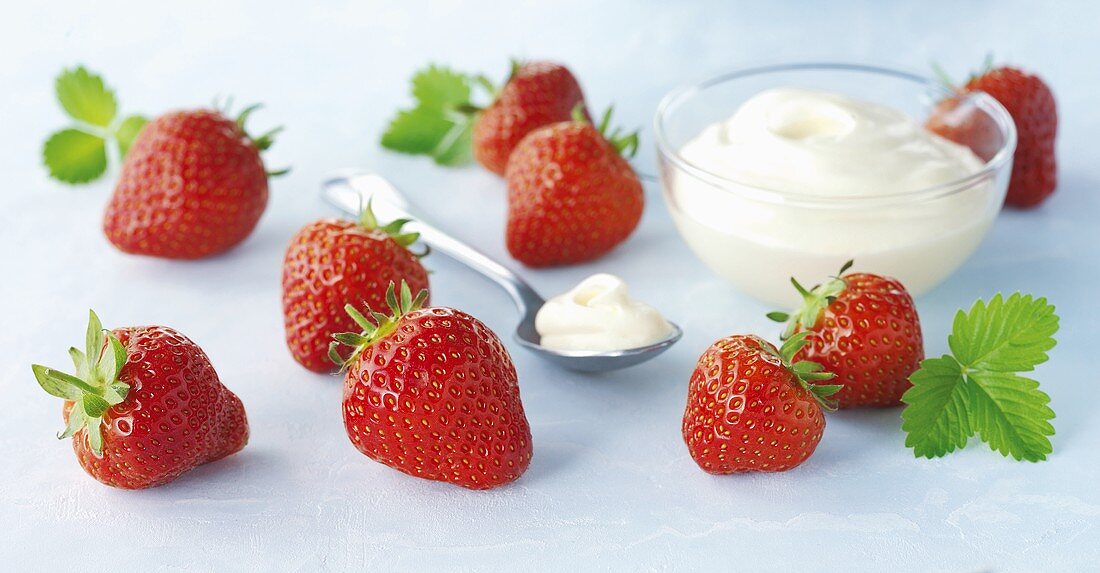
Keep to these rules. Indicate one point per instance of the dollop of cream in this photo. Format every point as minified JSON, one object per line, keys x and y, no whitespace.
{"x":599,"y":315}
{"x":822,"y":143}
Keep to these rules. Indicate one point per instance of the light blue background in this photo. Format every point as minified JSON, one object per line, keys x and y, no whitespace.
{"x":611,"y":485}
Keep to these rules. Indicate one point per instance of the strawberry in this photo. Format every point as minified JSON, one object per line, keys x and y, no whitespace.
{"x":572,"y":197}
{"x":864,"y":329}
{"x":192,"y":185}
{"x":749,"y":409}
{"x":145,"y":406}
{"x":1030,"y":102}
{"x":433,"y":393}
{"x":537,"y":94}
{"x":332,"y":262}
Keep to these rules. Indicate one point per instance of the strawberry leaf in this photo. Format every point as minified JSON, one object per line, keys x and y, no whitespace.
{"x":937,"y":420}
{"x":127,"y":131}
{"x":978,"y":390}
{"x":418,"y":131}
{"x":78,"y":154}
{"x":439,"y":88}
{"x":1011,"y":414}
{"x":441,"y":123}
{"x":73,"y":156}
{"x":1010,"y":335}
{"x":85,"y":98}
{"x":456,"y":147}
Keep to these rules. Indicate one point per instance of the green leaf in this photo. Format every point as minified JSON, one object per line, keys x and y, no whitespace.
{"x":936,"y":419}
{"x":1011,"y":415}
{"x":1010,"y":335}
{"x":438,"y":88}
{"x":128,"y":131}
{"x":73,"y":156}
{"x":978,"y":390}
{"x":441,"y":122}
{"x":84,"y":97}
{"x":418,"y":131}
{"x":456,"y":147}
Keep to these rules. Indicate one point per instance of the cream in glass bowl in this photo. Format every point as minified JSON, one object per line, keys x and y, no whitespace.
{"x":792,"y":170}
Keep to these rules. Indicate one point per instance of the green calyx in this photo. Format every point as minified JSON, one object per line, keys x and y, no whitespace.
{"x":375,"y":325}
{"x":814,"y":303}
{"x":369,"y":221}
{"x":95,"y":388}
{"x":626,"y":144}
{"x":807,"y":372}
{"x":945,"y":79}
{"x":264,"y":141}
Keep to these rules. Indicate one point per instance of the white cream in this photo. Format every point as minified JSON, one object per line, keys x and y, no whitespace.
{"x":823,"y":145}
{"x":599,"y":315}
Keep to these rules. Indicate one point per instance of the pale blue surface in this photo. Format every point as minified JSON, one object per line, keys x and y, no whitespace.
{"x":611,"y":485}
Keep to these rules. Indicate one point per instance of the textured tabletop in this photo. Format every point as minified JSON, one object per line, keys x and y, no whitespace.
{"x":611,"y":485}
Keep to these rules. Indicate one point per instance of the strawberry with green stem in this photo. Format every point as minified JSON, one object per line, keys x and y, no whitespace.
{"x":863,"y":328}
{"x":449,"y":125}
{"x":192,"y":185}
{"x":433,"y":393}
{"x":144,"y":406}
{"x":753,"y":407}
{"x":332,"y":262}
{"x":1030,"y":102}
{"x":572,"y":194}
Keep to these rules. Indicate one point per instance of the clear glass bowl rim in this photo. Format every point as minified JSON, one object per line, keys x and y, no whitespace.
{"x":678,"y":95}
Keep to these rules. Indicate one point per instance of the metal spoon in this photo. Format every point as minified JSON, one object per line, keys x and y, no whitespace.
{"x":350,"y":190}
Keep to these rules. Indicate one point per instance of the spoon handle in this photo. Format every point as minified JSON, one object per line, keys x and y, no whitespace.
{"x":351,"y":190}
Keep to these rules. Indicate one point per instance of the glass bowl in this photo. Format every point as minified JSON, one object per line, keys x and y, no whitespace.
{"x":758,"y":238}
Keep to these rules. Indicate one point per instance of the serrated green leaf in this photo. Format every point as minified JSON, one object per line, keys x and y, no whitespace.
{"x":936,"y":419}
{"x":128,"y":131}
{"x":978,"y":390}
{"x":1011,"y":414}
{"x":73,"y":156}
{"x":438,"y":88}
{"x":84,"y":97}
{"x":1010,"y":335}
{"x":418,"y":131}
{"x":456,"y":147}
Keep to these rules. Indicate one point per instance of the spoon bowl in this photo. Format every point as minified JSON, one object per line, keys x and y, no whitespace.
{"x":351,"y":190}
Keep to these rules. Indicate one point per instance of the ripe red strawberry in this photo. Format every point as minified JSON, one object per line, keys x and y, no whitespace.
{"x":572,"y":197}
{"x":864,"y":329}
{"x":1030,"y":102}
{"x":144,"y":406}
{"x":333,"y":262}
{"x":433,"y":393}
{"x":537,"y":94}
{"x":749,"y":409}
{"x":192,"y":185}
